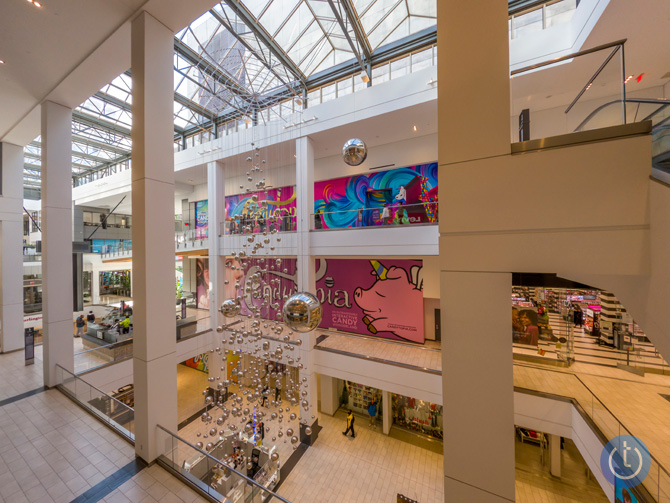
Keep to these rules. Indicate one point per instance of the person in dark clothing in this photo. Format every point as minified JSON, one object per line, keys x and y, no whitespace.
{"x":265,"y":393}
{"x":350,"y":424}
{"x":80,"y":326}
{"x":90,"y":317}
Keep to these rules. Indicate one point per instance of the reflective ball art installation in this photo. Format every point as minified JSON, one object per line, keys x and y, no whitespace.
{"x":354,"y":152}
{"x":302,"y":312}
{"x":230,"y":308}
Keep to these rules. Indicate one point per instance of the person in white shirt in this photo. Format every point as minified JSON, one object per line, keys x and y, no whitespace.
{"x":385,"y":215}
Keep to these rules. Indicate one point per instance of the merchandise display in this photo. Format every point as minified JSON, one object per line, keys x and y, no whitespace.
{"x":359,"y":397}
{"x":417,"y":415}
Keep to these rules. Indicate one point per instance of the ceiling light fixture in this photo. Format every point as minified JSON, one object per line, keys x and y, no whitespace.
{"x":414,"y":128}
{"x":627,"y":79}
{"x":35,"y":3}
{"x":2,"y":61}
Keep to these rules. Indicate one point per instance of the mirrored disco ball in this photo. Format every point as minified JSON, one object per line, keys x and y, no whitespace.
{"x":230,"y":308}
{"x":354,"y":152}
{"x":302,"y":312}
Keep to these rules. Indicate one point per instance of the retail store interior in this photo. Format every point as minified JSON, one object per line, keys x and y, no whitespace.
{"x":227,"y":274}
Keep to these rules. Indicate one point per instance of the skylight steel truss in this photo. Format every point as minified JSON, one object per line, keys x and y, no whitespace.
{"x":263,"y":36}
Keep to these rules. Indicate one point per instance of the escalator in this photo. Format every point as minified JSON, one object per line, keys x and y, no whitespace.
{"x":639,"y":110}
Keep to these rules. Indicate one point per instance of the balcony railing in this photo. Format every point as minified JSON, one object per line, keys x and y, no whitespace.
{"x":425,"y":213}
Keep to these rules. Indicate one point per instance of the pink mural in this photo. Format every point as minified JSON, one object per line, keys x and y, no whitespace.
{"x":383,"y":298}
{"x":274,"y":282}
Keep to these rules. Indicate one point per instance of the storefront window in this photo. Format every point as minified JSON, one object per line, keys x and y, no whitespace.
{"x":417,"y":415}
{"x":358,"y":397}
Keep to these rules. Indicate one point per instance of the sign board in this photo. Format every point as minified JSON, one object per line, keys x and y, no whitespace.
{"x":29,"y":336}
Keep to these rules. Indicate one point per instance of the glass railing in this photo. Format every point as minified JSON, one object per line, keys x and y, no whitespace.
{"x":555,"y":97}
{"x":113,"y":412}
{"x":425,"y":213}
{"x":656,"y":486}
{"x":190,"y":238}
{"x":103,"y":355}
{"x":377,"y":349}
{"x":286,"y":223}
{"x":252,"y":482}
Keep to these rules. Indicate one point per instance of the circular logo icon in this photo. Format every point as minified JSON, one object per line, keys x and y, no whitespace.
{"x":625,"y":461}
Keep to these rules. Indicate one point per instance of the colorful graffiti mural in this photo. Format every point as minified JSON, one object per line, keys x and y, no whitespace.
{"x":358,"y":200}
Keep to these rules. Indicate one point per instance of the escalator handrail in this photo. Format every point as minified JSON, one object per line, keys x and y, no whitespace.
{"x":662,"y":105}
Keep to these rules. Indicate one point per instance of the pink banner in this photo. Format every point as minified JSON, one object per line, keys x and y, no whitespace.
{"x":381,"y":297}
{"x":279,"y":280}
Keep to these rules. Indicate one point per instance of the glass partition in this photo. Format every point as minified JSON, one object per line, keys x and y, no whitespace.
{"x":219,"y":473}
{"x":113,"y":412}
{"x":407,"y":214}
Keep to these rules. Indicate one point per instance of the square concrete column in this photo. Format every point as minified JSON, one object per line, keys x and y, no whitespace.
{"x":57,"y":240}
{"x":555,"y":455}
{"x":330,"y":400}
{"x":478,"y":387}
{"x":387,"y":417}
{"x":217,"y":214}
{"x":304,"y":176}
{"x":11,"y":253}
{"x":95,"y":286}
{"x":473,"y":123}
{"x":154,"y":347}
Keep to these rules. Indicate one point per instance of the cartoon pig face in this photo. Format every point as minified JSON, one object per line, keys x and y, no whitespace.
{"x":391,"y":304}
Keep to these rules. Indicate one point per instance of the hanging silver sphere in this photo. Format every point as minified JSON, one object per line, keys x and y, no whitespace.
{"x":302,"y":312}
{"x":230,"y":308}
{"x":354,"y":152}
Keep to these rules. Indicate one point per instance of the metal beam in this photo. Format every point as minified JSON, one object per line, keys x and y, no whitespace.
{"x":92,"y":121}
{"x":210,"y":69}
{"x":357,"y":27}
{"x":82,"y":155}
{"x":263,"y":36}
{"x":345,"y":30}
{"x":261,"y":57}
{"x":98,"y":144}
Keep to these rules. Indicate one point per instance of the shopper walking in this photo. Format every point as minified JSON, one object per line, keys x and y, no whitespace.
{"x":372,"y":411}
{"x":80,"y":325}
{"x":350,"y":424}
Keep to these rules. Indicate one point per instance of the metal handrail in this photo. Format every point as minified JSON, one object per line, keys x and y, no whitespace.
{"x":328,"y":333}
{"x":594,"y":396}
{"x":568,"y":56}
{"x":96,"y":389}
{"x":218,"y":462}
{"x":372,"y":209}
{"x":105,"y":346}
{"x":662,"y":105}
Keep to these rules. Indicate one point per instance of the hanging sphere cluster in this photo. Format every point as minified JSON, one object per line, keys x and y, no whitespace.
{"x":258,"y":380}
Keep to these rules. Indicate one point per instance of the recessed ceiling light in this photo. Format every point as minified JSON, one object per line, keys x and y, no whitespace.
{"x":2,"y":61}
{"x":414,"y":128}
{"x":35,"y":3}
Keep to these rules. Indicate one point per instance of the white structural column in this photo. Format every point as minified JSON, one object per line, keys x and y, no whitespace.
{"x":304,"y":171}
{"x":386,"y":412}
{"x":154,"y":345}
{"x":95,"y":286}
{"x":216,"y":215}
{"x":11,"y":260}
{"x":478,"y":387}
{"x":330,"y":400}
{"x":56,"y":226}
{"x":555,"y":455}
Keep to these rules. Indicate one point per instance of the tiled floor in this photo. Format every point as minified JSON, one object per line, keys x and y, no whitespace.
{"x":369,"y":468}
{"x":190,"y":384}
{"x":534,"y":483}
{"x":16,"y":377}
{"x":51,"y":450}
{"x":429,"y":357}
{"x":152,"y":485}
